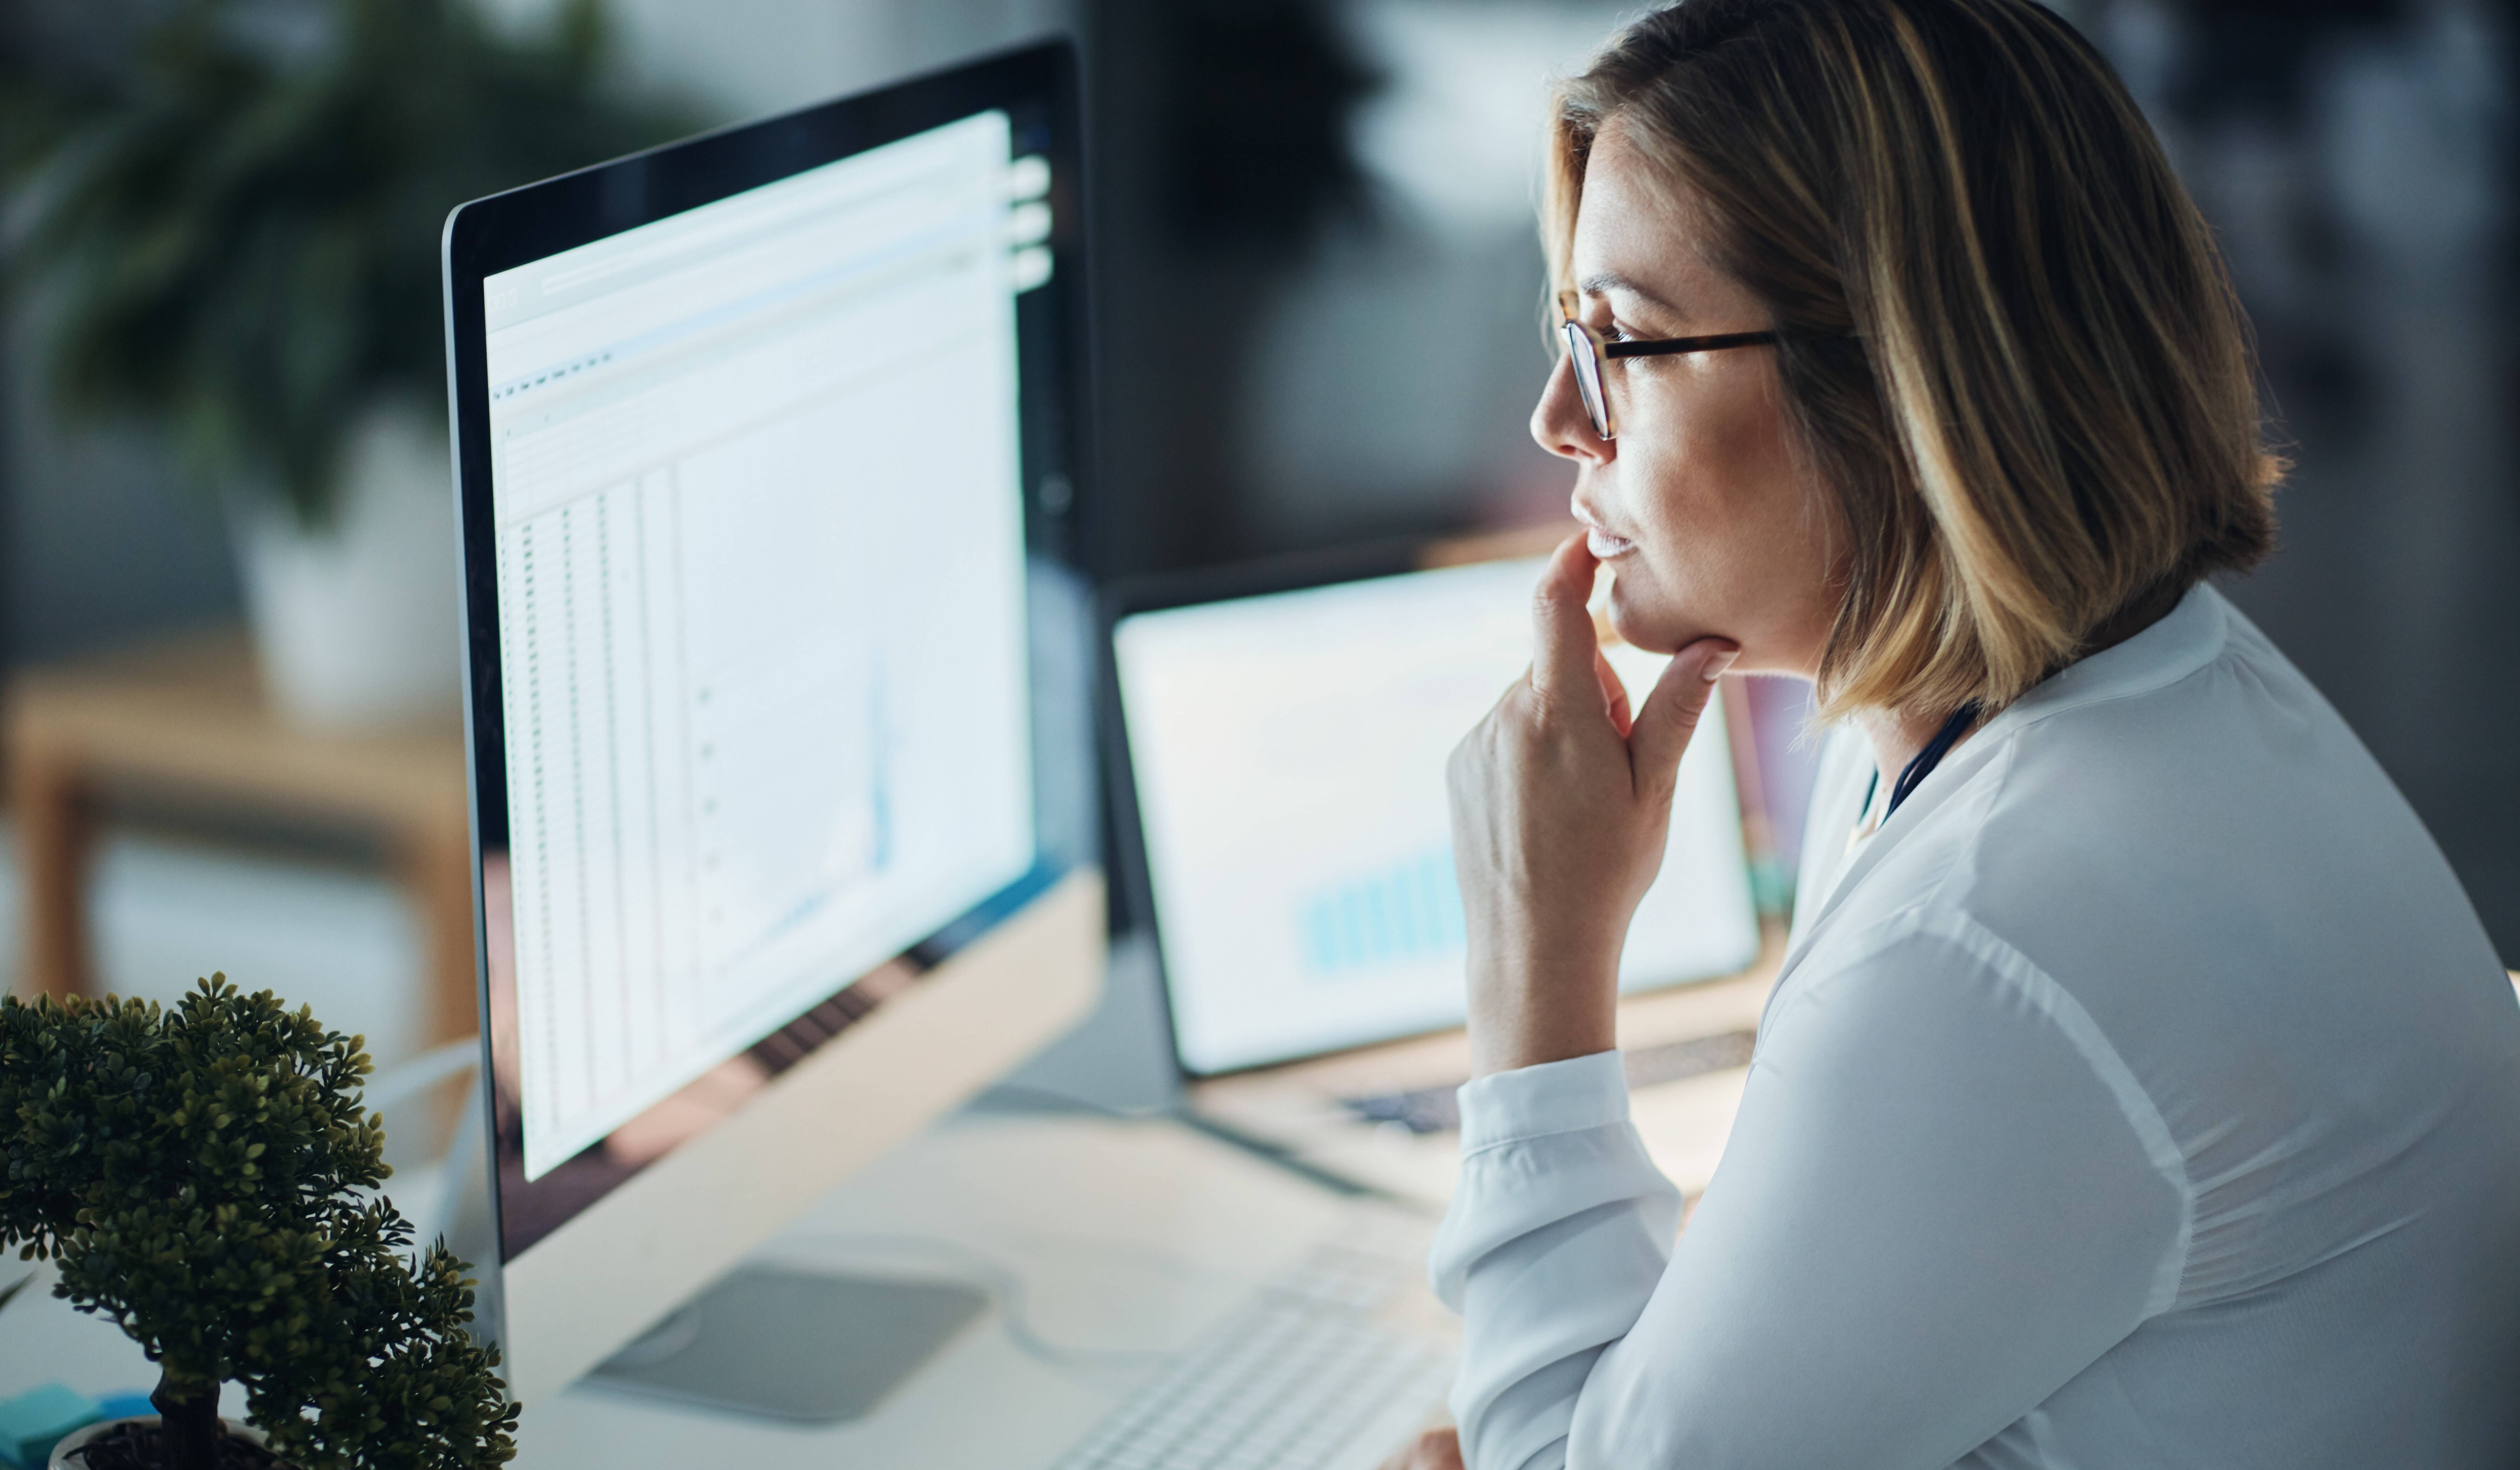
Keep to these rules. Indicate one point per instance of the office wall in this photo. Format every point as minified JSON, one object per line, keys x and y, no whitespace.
{"x":98,"y":543}
{"x":745,"y":58}
{"x":2357,"y":159}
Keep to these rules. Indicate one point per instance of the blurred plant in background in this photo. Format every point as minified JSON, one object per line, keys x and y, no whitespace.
{"x":233,"y":233}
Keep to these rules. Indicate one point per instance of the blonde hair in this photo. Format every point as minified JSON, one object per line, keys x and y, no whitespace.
{"x":2009,"y":347}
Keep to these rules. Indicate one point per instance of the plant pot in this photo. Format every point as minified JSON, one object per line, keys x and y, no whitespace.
{"x":69,"y":1453}
{"x":358,"y":623}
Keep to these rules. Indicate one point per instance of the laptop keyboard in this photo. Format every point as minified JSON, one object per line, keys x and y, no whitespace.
{"x":1300,"y":1379}
{"x":1434,"y":1110}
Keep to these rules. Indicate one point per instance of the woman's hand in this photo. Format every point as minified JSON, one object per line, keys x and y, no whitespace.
{"x":1561,"y":805}
{"x":1435,"y":1449}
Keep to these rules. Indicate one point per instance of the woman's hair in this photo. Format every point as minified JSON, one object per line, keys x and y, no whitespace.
{"x":2008,"y":346}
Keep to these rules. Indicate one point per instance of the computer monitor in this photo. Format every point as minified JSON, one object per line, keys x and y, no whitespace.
{"x":1285,"y":745}
{"x":767,"y":444}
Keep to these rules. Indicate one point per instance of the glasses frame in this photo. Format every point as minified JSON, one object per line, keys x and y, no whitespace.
{"x":1587,"y":349}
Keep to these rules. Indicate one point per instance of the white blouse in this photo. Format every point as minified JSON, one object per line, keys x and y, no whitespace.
{"x":2144,"y":1092}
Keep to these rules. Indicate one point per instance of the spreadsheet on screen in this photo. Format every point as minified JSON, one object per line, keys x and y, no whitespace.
{"x":755,"y":745}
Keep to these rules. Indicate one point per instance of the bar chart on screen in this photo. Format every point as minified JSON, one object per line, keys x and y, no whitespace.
{"x":1407,"y":909}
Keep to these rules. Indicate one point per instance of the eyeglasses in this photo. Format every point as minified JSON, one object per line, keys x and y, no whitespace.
{"x":1586,"y":348}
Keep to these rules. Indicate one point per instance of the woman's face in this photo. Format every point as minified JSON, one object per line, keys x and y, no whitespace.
{"x":1699,"y":508}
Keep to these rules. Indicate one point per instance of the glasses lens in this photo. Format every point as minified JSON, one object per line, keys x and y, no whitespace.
{"x":1588,"y":375}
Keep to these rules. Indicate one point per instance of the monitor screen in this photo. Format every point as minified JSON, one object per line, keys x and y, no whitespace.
{"x":760,"y":575}
{"x":768,"y":446}
{"x":1287,"y":755}
{"x":755,"y":537}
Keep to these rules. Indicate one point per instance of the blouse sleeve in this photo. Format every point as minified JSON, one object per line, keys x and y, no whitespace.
{"x":1945,"y":1196}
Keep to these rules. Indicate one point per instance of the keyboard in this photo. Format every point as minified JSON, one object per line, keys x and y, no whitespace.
{"x":1299,"y":1378}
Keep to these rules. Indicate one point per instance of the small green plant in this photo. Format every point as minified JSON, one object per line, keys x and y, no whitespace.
{"x":203,"y":1175}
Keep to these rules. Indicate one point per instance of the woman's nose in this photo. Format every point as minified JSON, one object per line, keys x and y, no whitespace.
{"x":1558,"y":422}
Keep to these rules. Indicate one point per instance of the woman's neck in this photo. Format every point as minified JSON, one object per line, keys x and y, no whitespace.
{"x":1897,"y":735}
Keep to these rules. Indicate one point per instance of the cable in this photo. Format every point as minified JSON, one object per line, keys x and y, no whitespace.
{"x":1012,"y":1098}
{"x":1026,"y":1097}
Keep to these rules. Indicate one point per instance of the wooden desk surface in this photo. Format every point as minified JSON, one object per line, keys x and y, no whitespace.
{"x":190,"y":714}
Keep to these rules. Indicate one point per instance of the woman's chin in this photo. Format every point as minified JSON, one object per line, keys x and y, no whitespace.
{"x":1640,"y":624}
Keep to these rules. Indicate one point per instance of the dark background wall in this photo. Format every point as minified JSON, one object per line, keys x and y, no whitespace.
{"x":1318,"y":287}
{"x":2357,"y":158}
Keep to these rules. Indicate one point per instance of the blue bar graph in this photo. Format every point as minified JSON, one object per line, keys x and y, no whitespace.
{"x":1405,"y":912}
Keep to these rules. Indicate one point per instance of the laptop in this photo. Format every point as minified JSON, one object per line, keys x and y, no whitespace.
{"x":1279,"y":735}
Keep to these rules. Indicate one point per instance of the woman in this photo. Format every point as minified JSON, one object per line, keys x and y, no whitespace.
{"x":2140,"y":1089}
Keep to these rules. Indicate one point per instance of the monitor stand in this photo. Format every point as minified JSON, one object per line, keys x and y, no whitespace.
{"x":794,"y":1345}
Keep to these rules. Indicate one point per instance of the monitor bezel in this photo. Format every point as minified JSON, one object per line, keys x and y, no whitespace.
{"x":1037,"y":83}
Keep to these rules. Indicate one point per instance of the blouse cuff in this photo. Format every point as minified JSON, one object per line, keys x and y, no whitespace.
{"x":1552,"y":1098}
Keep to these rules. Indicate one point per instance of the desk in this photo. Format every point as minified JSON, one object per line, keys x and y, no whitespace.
{"x":1129,"y":1235}
{"x":185,"y":720}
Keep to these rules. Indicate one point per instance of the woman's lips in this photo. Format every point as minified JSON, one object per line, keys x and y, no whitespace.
{"x":1603,"y":545}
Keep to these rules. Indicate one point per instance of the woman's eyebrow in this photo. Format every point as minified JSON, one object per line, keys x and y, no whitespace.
{"x":1605,"y":281}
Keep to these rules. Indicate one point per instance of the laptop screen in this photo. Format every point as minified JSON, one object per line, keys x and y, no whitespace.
{"x":1287,"y":753}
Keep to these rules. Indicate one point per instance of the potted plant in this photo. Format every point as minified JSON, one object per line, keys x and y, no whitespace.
{"x":230,"y":234}
{"x":205,"y":1175}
